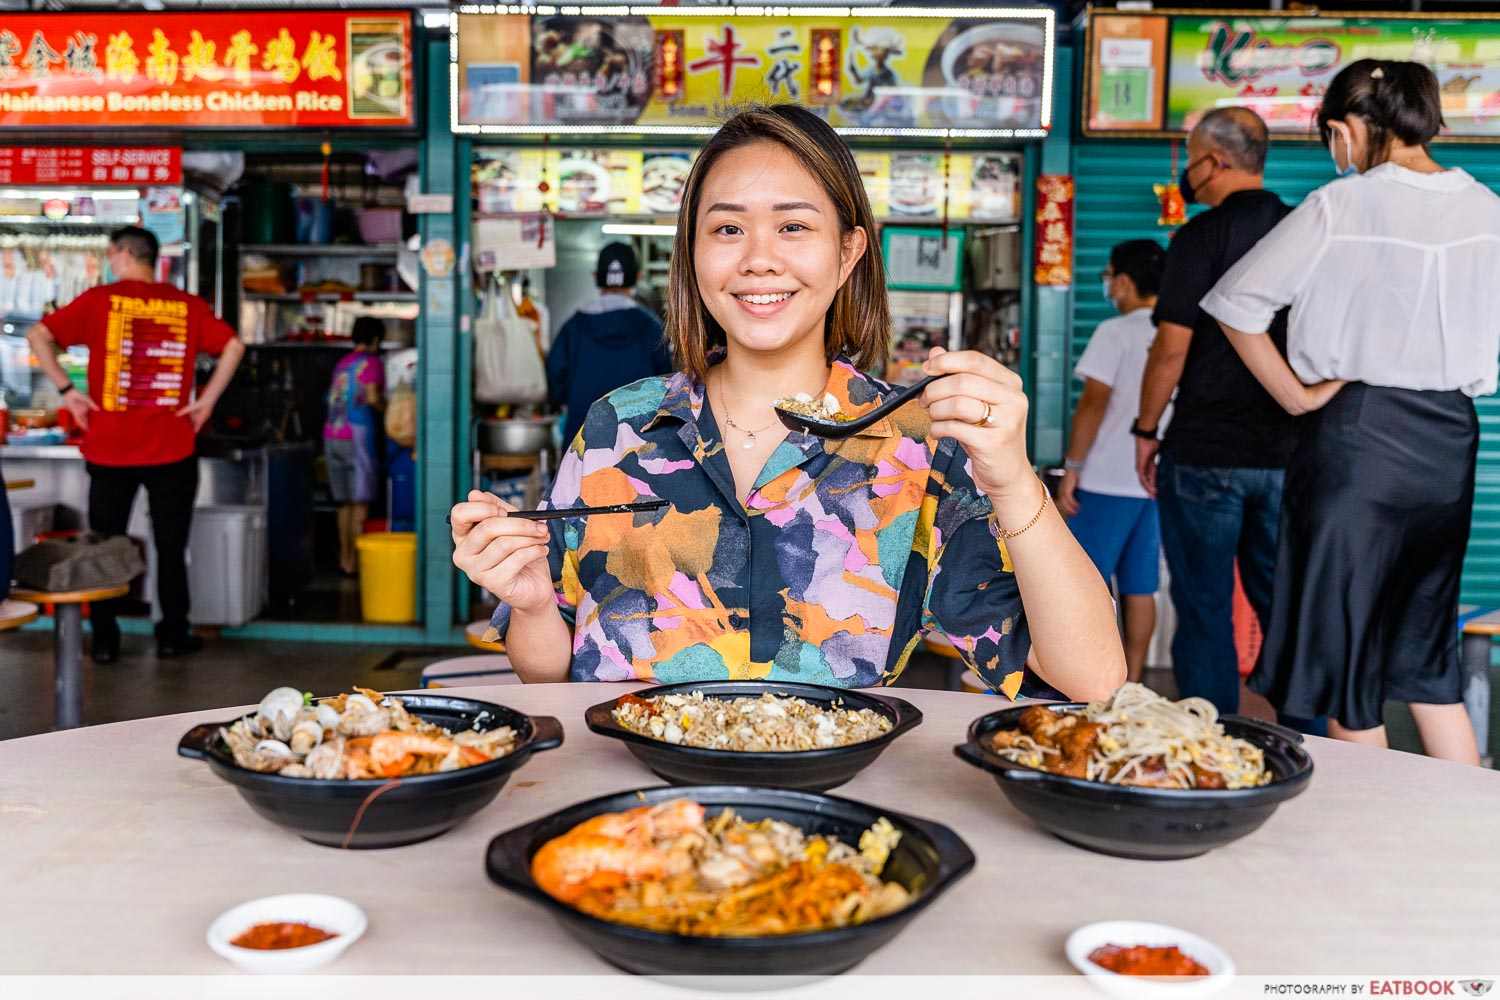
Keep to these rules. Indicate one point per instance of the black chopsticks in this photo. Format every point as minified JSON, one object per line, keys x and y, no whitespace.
{"x":554,"y":515}
{"x":618,"y":508}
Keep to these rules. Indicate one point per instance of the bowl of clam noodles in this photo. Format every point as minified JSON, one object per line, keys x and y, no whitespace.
{"x":1138,"y":775}
{"x":713,"y":880}
{"x":366,"y":769}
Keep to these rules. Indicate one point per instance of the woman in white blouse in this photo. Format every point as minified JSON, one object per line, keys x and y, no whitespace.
{"x":1390,"y":273}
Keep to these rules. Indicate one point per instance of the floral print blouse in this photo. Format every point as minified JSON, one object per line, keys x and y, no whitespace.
{"x":843,"y":555}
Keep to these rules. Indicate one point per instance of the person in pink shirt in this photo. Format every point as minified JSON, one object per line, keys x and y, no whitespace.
{"x":355,"y":397}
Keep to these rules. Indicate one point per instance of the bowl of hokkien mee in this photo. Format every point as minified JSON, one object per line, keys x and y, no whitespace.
{"x":776,"y":734}
{"x":1139,"y":775}
{"x":365,"y":769}
{"x":716,"y":880}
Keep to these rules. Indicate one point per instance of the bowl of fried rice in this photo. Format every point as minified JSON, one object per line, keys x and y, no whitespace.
{"x":779,"y":735}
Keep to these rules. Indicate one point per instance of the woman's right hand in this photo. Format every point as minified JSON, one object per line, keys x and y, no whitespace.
{"x":507,"y":556}
{"x":1317,"y":396}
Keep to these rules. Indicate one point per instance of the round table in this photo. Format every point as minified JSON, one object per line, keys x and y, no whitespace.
{"x":474,"y":635}
{"x":121,"y":854}
{"x":14,"y":614}
{"x":67,"y":644}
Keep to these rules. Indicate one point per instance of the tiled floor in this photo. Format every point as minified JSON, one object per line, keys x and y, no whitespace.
{"x":239,"y":672}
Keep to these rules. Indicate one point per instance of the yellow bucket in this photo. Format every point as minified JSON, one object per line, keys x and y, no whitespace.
{"x":388,"y":576}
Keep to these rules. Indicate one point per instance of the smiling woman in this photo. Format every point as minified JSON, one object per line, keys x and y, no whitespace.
{"x":783,"y":555}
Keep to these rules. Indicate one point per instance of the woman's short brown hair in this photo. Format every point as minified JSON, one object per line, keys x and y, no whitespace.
{"x":859,"y":320}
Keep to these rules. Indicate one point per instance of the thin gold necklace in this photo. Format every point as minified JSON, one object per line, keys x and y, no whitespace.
{"x":749,"y":441}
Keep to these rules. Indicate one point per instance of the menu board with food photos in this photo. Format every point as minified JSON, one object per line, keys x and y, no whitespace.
{"x":666,"y":71}
{"x":1158,"y":73}
{"x":902,"y":186}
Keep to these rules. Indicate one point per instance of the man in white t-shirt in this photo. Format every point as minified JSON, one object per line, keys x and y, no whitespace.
{"x":1101,"y":495}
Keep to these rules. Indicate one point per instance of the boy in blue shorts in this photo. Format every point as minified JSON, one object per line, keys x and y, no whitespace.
{"x":1101,"y":495}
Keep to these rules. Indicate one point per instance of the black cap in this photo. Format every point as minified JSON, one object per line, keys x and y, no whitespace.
{"x":617,"y":267}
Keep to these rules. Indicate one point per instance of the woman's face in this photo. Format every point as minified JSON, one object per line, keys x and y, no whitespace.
{"x":768,"y":252}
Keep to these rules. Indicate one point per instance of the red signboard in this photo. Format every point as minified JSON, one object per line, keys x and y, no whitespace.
{"x":91,"y":165}
{"x":219,"y":69}
{"x":1054,"y":230}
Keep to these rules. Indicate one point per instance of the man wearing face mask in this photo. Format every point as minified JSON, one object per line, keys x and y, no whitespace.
{"x":1218,"y":477}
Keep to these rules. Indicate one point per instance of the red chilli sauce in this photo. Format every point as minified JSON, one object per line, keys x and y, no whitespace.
{"x":280,"y":936}
{"x":1144,"y":960}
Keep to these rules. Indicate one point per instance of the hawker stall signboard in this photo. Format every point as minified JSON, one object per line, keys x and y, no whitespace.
{"x":1159,"y":73}
{"x":902,"y":186}
{"x":981,"y":73}
{"x":276,"y":68}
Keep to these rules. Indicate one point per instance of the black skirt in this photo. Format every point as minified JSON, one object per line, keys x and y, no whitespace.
{"x":1374,"y":524}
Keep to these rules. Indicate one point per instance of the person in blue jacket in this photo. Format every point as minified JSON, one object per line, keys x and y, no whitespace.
{"x":607,"y":344}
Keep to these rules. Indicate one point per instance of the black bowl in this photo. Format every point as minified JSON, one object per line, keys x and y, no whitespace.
{"x":808,"y":770}
{"x":1152,"y":824}
{"x":410,"y":810}
{"x":928,"y":859}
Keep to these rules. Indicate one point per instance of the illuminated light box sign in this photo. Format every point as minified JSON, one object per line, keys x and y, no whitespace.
{"x":1158,"y":73}
{"x":950,"y":72}
{"x":206,"y":69}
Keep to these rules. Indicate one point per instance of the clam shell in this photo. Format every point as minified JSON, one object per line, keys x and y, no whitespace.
{"x":358,"y":702}
{"x":283,"y":702}
{"x":306,"y":735}
{"x":274,"y":747}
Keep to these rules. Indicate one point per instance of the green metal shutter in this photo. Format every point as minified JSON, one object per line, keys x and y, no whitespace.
{"x":1115,"y":202}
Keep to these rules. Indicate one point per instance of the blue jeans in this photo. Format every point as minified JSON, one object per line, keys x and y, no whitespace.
{"x":1209,"y":518}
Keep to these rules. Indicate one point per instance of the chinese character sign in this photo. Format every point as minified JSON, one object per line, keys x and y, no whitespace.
{"x":280,"y":68}
{"x":1054,"y":230}
{"x":665,"y":69}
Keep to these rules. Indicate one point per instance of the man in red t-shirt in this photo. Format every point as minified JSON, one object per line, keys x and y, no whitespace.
{"x":139,"y":416}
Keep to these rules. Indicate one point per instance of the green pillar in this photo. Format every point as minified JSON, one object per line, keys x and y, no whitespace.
{"x":1052,"y":307}
{"x":441,"y":435}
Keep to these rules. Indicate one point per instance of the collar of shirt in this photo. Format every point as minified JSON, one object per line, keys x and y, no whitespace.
{"x":1444,"y":180}
{"x":857,"y":393}
{"x":608,"y":302}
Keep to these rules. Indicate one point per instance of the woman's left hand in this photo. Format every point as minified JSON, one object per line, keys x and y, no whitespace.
{"x":981,"y":405}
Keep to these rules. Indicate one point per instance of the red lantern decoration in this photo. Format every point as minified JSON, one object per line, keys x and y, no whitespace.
{"x":1173,"y":205}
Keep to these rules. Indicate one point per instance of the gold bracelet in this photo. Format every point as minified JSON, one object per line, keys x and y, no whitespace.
{"x":1046,"y":498}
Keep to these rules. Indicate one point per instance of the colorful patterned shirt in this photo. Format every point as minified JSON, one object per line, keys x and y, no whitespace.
{"x":843,"y":554}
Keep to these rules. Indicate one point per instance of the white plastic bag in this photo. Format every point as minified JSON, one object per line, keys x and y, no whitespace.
{"x":507,"y":367}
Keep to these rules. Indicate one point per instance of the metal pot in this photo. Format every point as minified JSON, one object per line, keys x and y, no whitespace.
{"x":515,"y":437}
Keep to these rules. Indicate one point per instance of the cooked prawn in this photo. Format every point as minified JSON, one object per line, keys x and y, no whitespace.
{"x":614,"y":849}
{"x":391,"y":754}
{"x":645,"y":823}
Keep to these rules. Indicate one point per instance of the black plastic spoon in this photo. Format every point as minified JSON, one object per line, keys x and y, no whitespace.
{"x":837,"y":429}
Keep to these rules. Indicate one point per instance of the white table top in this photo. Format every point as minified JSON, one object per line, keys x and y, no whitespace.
{"x":120,"y":854}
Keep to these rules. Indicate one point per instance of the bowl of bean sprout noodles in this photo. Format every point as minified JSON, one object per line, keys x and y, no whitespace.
{"x":1137,"y":775}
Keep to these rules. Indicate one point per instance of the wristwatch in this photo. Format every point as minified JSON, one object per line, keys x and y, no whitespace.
{"x":63,"y":390}
{"x":1073,"y":464}
{"x":1141,"y":432}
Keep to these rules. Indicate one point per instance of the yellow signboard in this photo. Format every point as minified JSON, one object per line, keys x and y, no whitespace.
{"x":676,"y":70}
